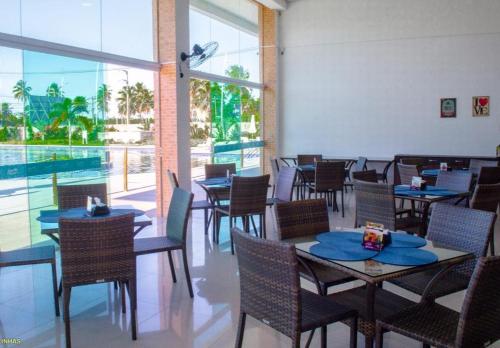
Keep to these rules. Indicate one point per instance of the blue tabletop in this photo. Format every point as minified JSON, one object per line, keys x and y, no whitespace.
{"x":435,"y":172}
{"x":307,"y":167}
{"x":221,"y":182}
{"x":53,"y":216}
{"x":405,"y":190}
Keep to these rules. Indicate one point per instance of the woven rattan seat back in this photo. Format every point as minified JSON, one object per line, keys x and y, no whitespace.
{"x":308,"y":159}
{"x":75,"y":196}
{"x":454,"y":181}
{"x":269,"y":282}
{"x":172,"y":179}
{"x":178,"y":214}
{"x":489,"y":175}
{"x":97,"y":250}
{"x":301,"y":218}
{"x":375,"y":203}
{"x":480,"y":317}
{"x":366,"y":175}
{"x":463,"y":229}
{"x":475,"y":165}
{"x":330,"y":176}
{"x":248,"y":195}
{"x":285,"y":183}
{"x":486,"y":197}
{"x":219,"y":170}
{"x":407,"y":172}
{"x":360,"y":164}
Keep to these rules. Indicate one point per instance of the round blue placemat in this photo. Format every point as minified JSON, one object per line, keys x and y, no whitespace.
{"x":347,"y":252}
{"x":340,"y":238}
{"x":403,"y":240}
{"x":405,"y":257}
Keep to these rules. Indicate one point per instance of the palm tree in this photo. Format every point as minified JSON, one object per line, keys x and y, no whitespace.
{"x":125,"y":101}
{"x":71,"y":112}
{"x":54,"y":91}
{"x":21,"y":92}
{"x":143,"y":99}
{"x":103,"y":98}
{"x":200,"y":94}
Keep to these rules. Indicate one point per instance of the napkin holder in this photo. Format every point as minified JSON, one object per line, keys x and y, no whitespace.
{"x":418,"y":184}
{"x":375,"y":237}
{"x":99,"y":210}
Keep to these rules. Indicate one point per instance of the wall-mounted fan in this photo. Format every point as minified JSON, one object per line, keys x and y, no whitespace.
{"x":199,"y":55}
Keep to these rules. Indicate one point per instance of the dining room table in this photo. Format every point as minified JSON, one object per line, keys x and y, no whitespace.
{"x":342,"y":250}
{"x":49,"y":219}
{"x":426,"y":196}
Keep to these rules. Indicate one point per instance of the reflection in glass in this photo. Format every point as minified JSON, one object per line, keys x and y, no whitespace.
{"x":68,"y":121}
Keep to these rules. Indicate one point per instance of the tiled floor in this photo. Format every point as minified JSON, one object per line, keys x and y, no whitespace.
{"x":167,"y":316}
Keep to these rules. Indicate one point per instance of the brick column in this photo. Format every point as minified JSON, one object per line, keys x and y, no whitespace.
{"x":171,"y":100}
{"x":269,"y":71}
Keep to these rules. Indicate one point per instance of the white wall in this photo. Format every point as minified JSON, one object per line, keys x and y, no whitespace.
{"x":365,"y":77}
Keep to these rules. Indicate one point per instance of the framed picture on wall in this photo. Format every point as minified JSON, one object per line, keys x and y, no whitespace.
{"x":448,"y":107}
{"x":480,"y":106}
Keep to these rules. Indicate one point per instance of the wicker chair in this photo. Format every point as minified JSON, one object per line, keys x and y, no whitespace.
{"x":366,"y":175}
{"x":489,"y":175}
{"x":308,"y":218}
{"x":205,"y":204}
{"x":308,"y":159}
{"x":94,"y":251}
{"x":307,"y":176}
{"x":270,"y":292}
{"x":248,"y":197}
{"x":359,"y":166}
{"x":407,"y":172}
{"x":329,"y":179}
{"x":487,"y":197}
{"x":433,"y":324}
{"x":475,"y":165}
{"x":176,"y":234}
{"x":456,"y":228}
{"x":455,"y":181}
{"x":385,"y":172}
{"x":284,"y":186}
{"x":219,"y":170}
{"x":376,"y":203}
{"x":371,"y":176}
{"x":33,"y":256}
{"x":75,"y":196}
{"x":275,"y":169}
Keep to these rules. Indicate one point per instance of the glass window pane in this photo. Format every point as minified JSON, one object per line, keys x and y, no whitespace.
{"x":234,"y":26}
{"x":70,"y":22}
{"x":11,"y":23}
{"x":127,"y":28}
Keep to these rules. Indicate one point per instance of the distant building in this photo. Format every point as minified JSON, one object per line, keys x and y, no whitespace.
{"x":40,"y":107}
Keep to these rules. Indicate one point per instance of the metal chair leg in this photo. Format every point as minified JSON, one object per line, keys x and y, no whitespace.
{"x":54,"y":285}
{"x":122,"y":296}
{"x":172,"y":269}
{"x":67,"y":328}
{"x":323,"y":336}
{"x":231,"y":234}
{"x":241,"y":330}
{"x":186,"y":271}
{"x":354,"y":333}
